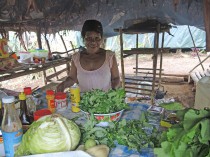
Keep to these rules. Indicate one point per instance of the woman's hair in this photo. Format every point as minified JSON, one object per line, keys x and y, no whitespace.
{"x":92,"y":25}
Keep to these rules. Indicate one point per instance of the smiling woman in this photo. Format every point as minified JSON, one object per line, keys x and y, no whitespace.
{"x":94,"y":67}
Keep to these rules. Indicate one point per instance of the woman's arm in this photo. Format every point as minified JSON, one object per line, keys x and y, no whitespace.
{"x":115,"y":76}
{"x":70,"y":80}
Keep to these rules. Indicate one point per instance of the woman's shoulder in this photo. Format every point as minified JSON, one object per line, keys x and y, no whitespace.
{"x":109,"y":51}
{"x":75,"y":55}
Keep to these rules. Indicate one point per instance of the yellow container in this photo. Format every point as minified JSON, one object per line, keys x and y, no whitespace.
{"x":3,"y":48}
{"x":50,"y":96}
{"x":75,"y":97}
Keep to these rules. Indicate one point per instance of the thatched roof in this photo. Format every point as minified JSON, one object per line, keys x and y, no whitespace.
{"x":54,"y":15}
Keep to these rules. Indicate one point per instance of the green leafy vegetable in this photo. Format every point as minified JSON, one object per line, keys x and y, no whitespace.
{"x":100,"y":102}
{"x":136,"y":134}
{"x":189,"y":138}
{"x":172,"y":106}
{"x":52,"y":133}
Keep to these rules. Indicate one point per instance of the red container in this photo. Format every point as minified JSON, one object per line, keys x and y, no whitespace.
{"x":40,"y":113}
{"x":60,"y":101}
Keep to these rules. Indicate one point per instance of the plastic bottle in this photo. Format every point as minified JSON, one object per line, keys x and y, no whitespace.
{"x":50,"y":96}
{"x":24,"y":115}
{"x":29,"y":101}
{"x":75,"y":97}
{"x":11,"y":127}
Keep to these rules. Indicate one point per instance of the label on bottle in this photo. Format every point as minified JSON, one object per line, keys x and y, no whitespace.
{"x":51,"y":105}
{"x":75,"y":94}
{"x":75,"y":107}
{"x":61,"y":104}
{"x":11,"y":141}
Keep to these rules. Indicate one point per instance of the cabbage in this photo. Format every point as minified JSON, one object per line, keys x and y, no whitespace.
{"x":51,"y":133}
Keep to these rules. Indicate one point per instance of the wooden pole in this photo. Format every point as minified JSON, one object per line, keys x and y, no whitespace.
{"x":161,"y":59}
{"x":72,"y":46}
{"x":38,"y":33}
{"x":155,"y":64}
{"x":121,"y":57}
{"x":206,"y":10}
{"x":195,"y":48}
{"x":137,"y":56}
{"x":64,"y":43}
{"x":49,"y":53}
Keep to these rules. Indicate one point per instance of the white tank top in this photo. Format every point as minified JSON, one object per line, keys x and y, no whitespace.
{"x":96,"y":79}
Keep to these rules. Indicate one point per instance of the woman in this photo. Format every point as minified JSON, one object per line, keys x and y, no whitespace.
{"x":94,"y":67}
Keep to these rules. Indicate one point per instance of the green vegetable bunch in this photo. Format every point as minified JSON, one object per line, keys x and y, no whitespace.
{"x":136,"y":134}
{"x":100,"y":102}
{"x":189,"y":138}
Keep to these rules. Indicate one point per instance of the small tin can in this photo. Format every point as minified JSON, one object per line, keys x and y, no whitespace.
{"x":75,"y":97}
{"x":60,"y":101}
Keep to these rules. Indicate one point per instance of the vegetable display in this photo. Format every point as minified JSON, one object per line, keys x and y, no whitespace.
{"x":100,"y":102}
{"x":189,"y":138}
{"x":51,"y":133}
{"x":136,"y":134}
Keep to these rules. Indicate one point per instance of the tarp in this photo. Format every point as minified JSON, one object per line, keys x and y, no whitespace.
{"x":179,"y":37}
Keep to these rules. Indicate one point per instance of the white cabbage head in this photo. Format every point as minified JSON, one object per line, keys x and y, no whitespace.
{"x":51,"y":133}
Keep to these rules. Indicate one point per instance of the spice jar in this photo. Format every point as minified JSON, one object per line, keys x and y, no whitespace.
{"x":50,"y":96}
{"x":60,"y":101}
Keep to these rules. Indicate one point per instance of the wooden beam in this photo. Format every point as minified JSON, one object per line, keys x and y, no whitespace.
{"x":206,"y":10}
{"x":38,"y":34}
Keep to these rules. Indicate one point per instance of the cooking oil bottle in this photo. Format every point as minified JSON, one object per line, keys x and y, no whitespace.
{"x":75,"y":97}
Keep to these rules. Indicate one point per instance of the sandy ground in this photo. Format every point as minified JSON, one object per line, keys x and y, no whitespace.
{"x":173,"y":63}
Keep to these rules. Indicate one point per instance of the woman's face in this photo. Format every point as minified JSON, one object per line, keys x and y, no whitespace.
{"x":92,"y":41}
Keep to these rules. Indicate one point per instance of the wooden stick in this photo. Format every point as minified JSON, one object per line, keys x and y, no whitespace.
{"x":72,"y":46}
{"x":63,"y":43}
{"x":195,"y":47}
{"x":137,"y":56}
{"x":49,"y":54}
{"x":122,"y":61}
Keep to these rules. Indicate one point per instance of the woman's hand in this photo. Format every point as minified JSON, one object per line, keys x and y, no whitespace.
{"x":60,"y":87}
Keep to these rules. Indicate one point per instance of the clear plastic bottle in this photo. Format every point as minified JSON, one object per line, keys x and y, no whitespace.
{"x":11,"y":127}
{"x":30,"y":101}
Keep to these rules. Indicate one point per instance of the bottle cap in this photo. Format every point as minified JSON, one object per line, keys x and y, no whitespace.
{"x":27,"y":90}
{"x":8,"y":99}
{"x":50,"y":92}
{"x":22,"y":96}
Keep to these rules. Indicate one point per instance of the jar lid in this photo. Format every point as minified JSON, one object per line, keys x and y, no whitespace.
{"x":22,"y":96}
{"x":27,"y":90}
{"x":8,"y":99}
{"x":50,"y":92}
{"x":60,"y":95}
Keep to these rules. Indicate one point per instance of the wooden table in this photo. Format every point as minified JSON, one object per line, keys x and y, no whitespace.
{"x":25,"y":69}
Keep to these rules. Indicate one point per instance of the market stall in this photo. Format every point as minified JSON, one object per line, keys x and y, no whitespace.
{"x":134,"y":113}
